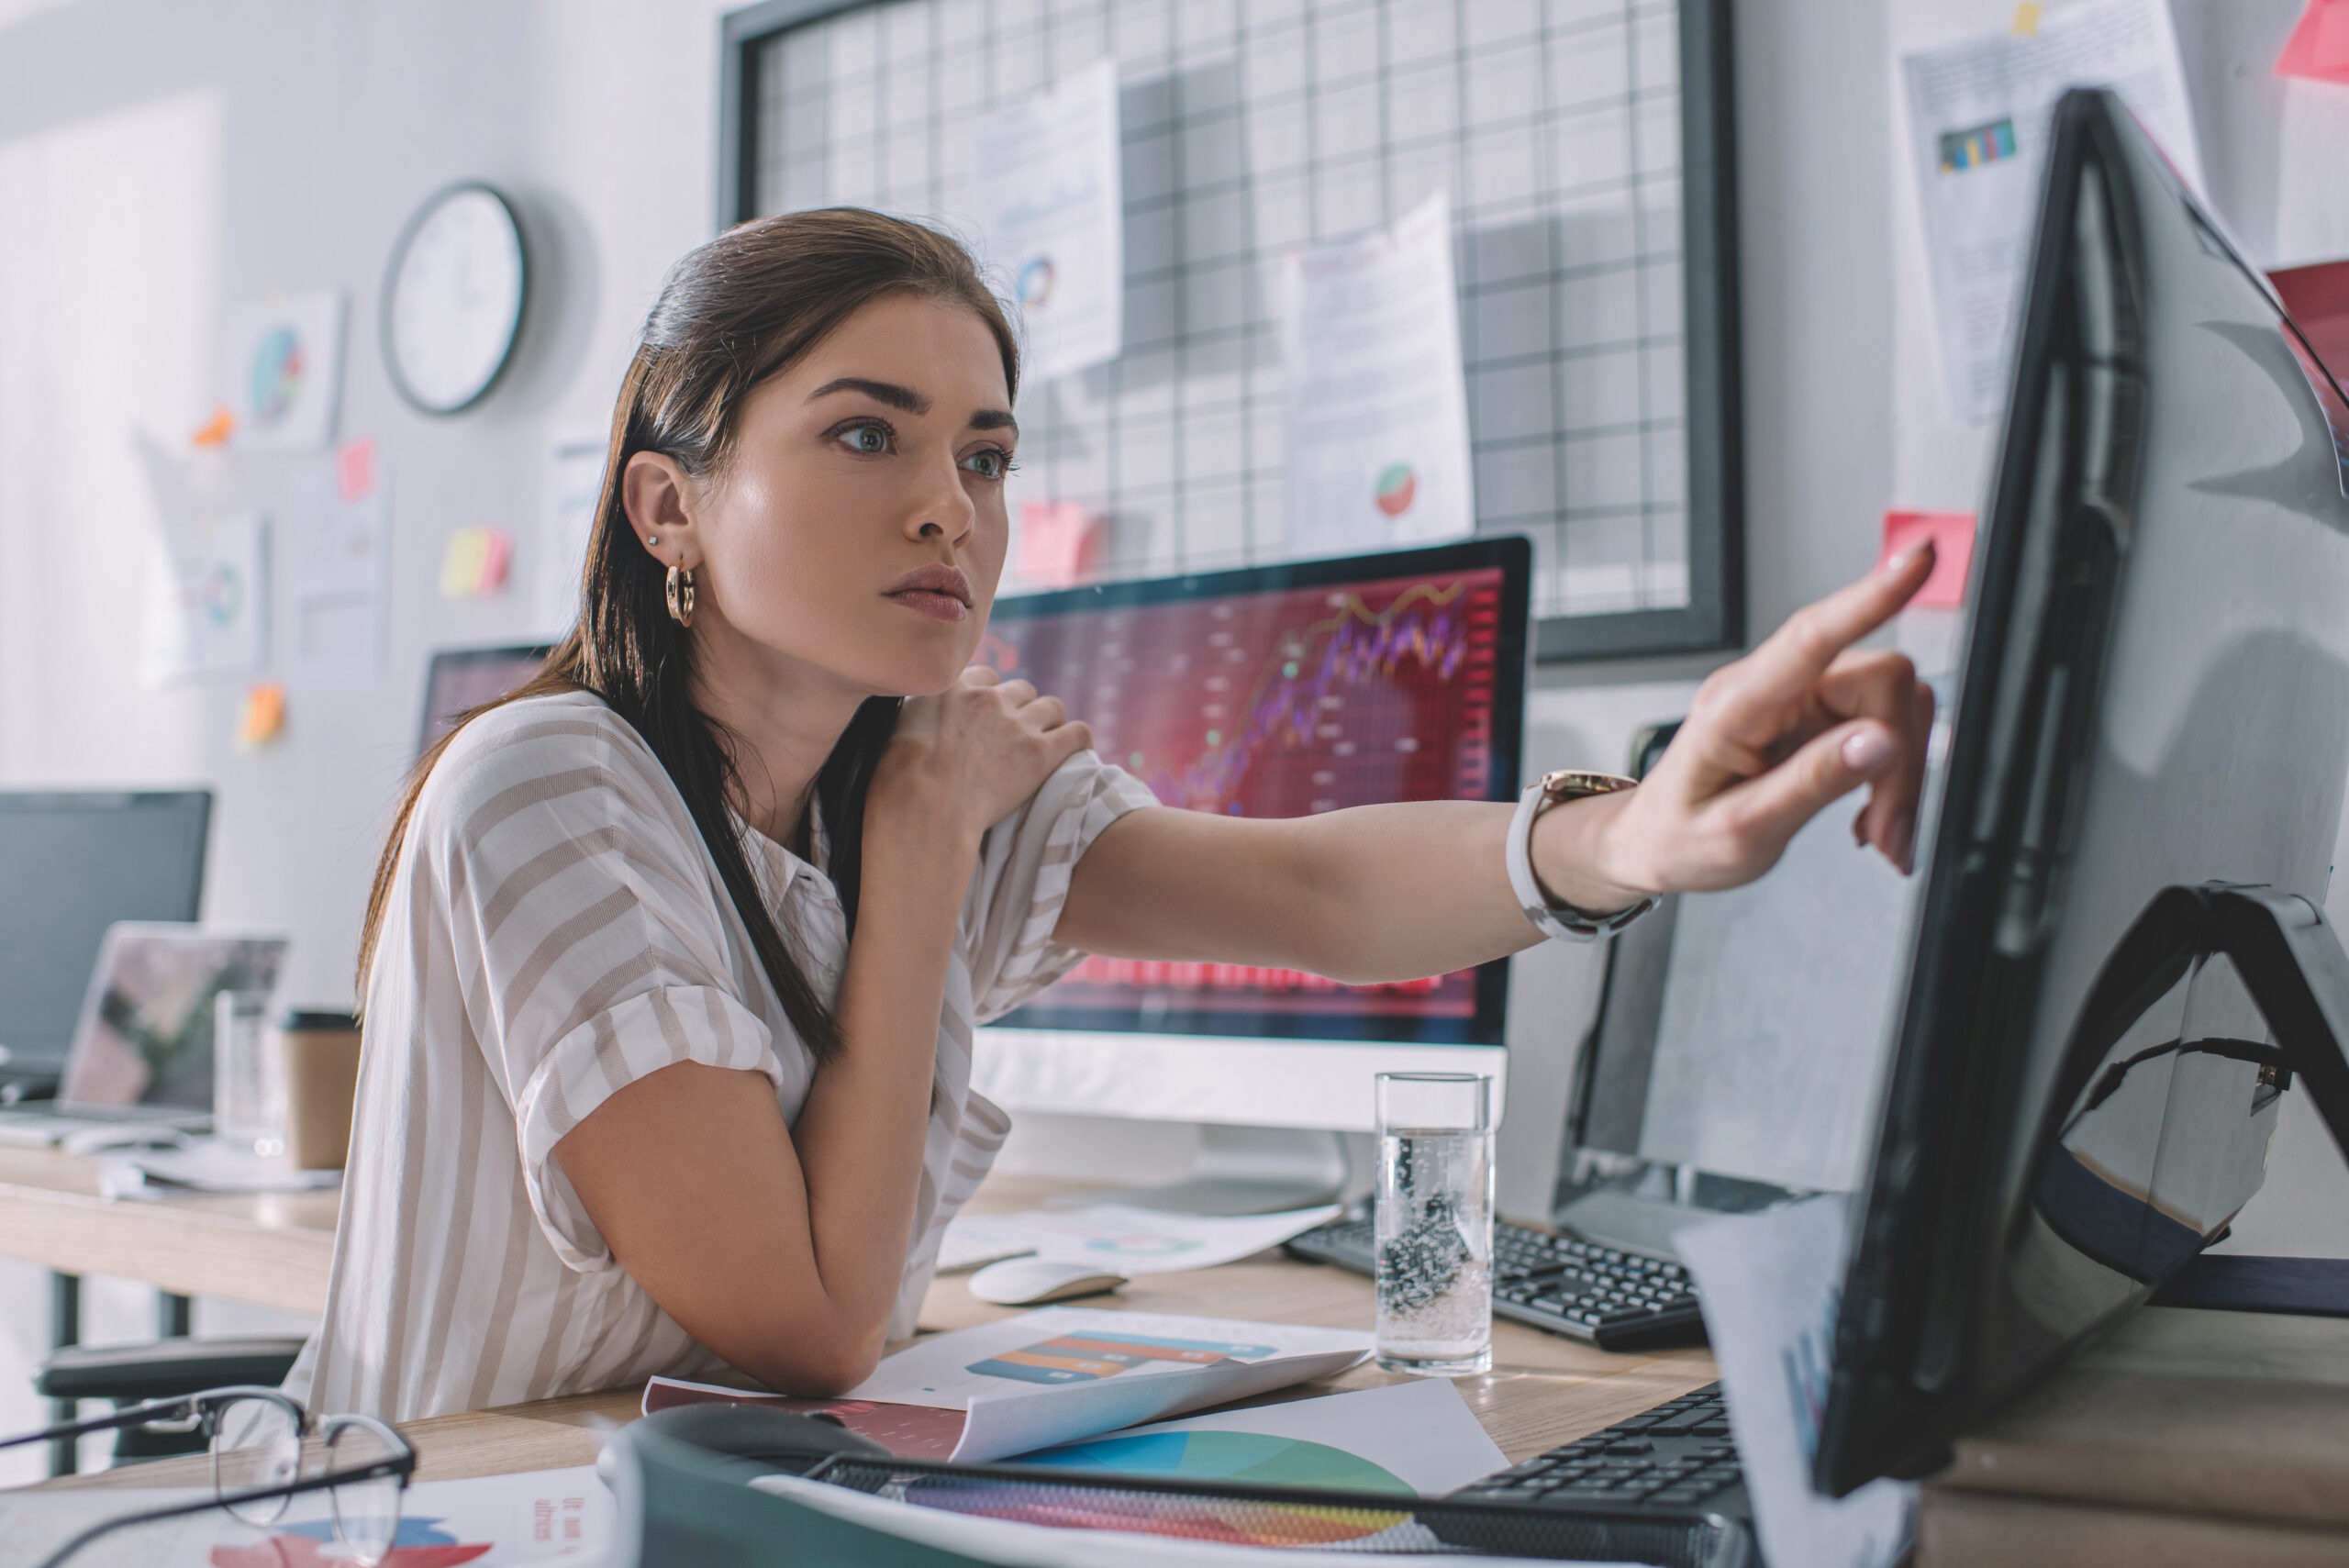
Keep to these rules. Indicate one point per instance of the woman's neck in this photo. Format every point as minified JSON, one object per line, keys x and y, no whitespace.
{"x":784,"y":717}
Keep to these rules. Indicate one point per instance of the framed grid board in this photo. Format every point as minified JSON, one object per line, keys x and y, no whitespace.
{"x":1584,"y":146}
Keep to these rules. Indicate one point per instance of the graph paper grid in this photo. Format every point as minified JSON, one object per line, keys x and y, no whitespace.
{"x":1253,"y":127}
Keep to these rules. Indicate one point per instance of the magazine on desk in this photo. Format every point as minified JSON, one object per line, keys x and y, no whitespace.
{"x":1055,"y":1376}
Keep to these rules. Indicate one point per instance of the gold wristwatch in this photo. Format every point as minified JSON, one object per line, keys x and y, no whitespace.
{"x":1561,"y":922}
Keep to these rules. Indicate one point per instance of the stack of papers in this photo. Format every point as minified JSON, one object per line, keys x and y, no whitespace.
{"x":207,"y":1165}
{"x":1130,"y":1241}
{"x":1055,"y":1376}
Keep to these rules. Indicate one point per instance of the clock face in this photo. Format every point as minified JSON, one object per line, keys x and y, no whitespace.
{"x":452,"y":299}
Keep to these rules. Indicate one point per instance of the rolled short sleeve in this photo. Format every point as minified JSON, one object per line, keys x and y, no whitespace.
{"x":585,"y":933}
{"x":1025,"y":864}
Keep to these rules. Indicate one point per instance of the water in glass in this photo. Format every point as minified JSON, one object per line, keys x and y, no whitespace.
{"x":1435,"y":1251}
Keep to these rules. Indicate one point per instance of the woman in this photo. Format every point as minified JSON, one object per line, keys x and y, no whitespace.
{"x":674,"y":956}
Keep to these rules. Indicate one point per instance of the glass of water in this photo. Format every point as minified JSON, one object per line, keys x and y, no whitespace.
{"x":248,"y":1074}
{"x":1435,"y":1223}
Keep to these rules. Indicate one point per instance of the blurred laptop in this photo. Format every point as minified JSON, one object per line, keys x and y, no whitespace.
{"x":141,"y":1058}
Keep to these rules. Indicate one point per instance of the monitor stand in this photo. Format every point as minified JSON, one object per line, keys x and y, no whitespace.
{"x":1244,"y":1169}
{"x":1641,"y":1210}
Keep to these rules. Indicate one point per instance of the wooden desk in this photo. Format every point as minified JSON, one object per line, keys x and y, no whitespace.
{"x":1543,"y":1391}
{"x":267,"y":1249}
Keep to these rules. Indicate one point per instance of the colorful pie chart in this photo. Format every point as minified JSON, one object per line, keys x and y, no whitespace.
{"x":1397,"y":486}
{"x":1249,"y":1457}
{"x":1254,"y":1457}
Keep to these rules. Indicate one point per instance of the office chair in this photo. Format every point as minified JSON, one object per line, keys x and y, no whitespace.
{"x":128,"y":1374}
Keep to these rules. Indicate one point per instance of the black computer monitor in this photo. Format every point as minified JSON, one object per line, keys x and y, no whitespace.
{"x":71,"y":865}
{"x":1284,"y":691}
{"x":2155,"y":694}
{"x":461,"y":679}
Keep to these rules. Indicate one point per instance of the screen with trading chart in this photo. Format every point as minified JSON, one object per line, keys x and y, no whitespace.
{"x":1287,"y":691}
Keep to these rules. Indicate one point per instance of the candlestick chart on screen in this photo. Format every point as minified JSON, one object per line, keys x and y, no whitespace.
{"x":1286,"y":702}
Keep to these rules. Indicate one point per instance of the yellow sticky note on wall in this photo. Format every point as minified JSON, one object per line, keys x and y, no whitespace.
{"x":473,"y":562}
{"x":2027,"y":19}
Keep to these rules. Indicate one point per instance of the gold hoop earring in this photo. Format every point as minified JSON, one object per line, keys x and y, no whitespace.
{"x":680,"y":595}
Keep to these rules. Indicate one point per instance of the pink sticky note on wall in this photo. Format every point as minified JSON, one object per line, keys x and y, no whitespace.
{"x":1952,"y":537}
{"x":354,"y":468}
{"x":1060,"y":541}
{"x":2318,"y":47}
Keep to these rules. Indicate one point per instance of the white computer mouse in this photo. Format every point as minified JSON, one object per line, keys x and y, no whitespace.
{"x":1024,"y":1282}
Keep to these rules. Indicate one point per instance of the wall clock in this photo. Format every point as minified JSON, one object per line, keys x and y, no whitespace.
{"x":452,"y":298}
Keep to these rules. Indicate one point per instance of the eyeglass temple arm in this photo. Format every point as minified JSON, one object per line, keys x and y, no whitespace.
{"x":161,"y":1409}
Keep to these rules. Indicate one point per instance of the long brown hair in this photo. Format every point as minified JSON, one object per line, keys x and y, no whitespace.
{"x":734,"y":312}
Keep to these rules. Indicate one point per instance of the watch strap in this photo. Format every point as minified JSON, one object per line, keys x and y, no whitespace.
{"x":1560,"y":922}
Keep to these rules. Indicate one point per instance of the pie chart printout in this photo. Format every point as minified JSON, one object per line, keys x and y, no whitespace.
{"x":1255,"y":1458}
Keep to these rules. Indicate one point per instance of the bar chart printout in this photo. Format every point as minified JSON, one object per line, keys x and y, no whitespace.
{"x":1285,"y":703}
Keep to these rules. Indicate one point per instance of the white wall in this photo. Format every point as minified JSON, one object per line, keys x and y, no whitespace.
{"x":307,"y":130}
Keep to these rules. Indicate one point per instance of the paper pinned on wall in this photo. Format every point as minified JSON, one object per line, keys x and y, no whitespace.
{"x":1979,"y":113}
{"x":335,"y":562}
{"x":208,"y":600}
{"x":574,"y":484}
{"x":1377,"y":411}
{"x":2318,"y":47}
{"x":280,"y":369}
{"x":1047,"y":190}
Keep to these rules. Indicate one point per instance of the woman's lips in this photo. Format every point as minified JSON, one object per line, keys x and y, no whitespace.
{"x":931,"y":603}
{"x":940,"y":592}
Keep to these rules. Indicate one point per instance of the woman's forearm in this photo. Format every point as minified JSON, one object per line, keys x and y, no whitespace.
{"x":861,"y":1129}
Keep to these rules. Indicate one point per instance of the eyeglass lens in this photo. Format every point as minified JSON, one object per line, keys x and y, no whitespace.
{"x":366,"y":1513}
{"x":255,"y":1443}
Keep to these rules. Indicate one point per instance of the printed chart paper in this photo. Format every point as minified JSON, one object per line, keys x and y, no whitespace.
{"x":1131,"y":1240}
{"x":1377,"y":411}
{"x":1208,"y":1539}
{"x":575,"y":476}
{"x":1411,"y":1438}
{"x":281,"y":367}
{"x":208,"y":600}
{"x":1047,"y":190}
{"x":1416,"y":1437}
{"x":1771,"y":1283}
{"x":334,"y":563}
{"x":1061,"y":1345}
{"x":1980,"y":114}
{"x":547,"y":1515}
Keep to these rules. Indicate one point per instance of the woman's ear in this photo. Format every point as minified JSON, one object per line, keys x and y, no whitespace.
{"x":659,"y":499}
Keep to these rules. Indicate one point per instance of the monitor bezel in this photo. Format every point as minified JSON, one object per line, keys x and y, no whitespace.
{"x":1512,"y":556}
{"x":447,"y":659}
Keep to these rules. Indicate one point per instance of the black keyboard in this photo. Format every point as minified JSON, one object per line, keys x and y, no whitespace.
{"x":1675,"y":1457}
{"x":1614,"y":1299}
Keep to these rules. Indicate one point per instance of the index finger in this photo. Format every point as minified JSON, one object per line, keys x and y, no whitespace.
{"x":1793,"y":657}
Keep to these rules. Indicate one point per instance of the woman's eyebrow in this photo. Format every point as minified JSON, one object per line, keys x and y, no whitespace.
{"x":995,"y":419}
{"x":888,"y":392}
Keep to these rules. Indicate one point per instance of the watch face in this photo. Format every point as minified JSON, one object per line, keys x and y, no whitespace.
{"x":453,"y":300}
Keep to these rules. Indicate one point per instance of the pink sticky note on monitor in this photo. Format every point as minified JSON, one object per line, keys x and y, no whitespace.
{"x":1952,"y":537}
{"x":1059,"y":541}
{"x":354,"y":468}
{"x":2318,"y":47}
{"x":2318,"y":298}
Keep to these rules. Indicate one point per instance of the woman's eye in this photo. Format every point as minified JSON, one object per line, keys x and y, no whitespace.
{"x":992,"y":464}
{"x":870,"y":440}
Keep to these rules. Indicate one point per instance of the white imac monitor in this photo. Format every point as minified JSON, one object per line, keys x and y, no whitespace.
{"x":1272,"y":690}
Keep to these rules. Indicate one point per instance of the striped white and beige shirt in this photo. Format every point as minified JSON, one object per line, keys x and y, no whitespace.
{"x":556,"y":929}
